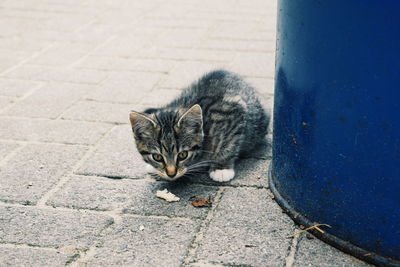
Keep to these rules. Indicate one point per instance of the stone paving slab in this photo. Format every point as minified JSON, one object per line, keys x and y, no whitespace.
{"x":5,"y":101}
{"x":34,"y":169}
{"x":147,"y":204}
{"x":49,"y":101}
{"x":35,"y":257}
{"x":254,"y":65}
{"x":139,"y":241}
{"x":11,"y":58}
{"x":70,"y":132}
{"x":160,"y":97}
{"x":247,"y":229}
{"x":264,"y":86}
{"x":14,"y":88}
{"x":125,"y":87}
{"x":6,"y":148}
{"x":185,"y":73}
{"x":46,"y":73}
{"x":133,"y":196}
{"x":197,"y":54}
{"x":127,"y":64}
{"x":50,"y":228}
{"x":115,"y":156}
{"x":314,"y":252}
{"x":63,"y":54}
{"x":252,"y":172}
{"x":85,"y":110}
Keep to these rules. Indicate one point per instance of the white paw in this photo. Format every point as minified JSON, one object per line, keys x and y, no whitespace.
{"x":224,"y":175}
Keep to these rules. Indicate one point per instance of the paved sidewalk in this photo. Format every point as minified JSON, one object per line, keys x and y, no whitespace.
{"x":72,"y":188}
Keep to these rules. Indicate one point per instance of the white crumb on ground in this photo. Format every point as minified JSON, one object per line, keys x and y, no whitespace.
{"x":168,"y":196}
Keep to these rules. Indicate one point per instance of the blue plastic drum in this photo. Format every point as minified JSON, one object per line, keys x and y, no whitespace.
{"x":336,"y":140}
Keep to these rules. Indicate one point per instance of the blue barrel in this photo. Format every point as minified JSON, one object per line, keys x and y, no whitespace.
{"x":336,"y":140}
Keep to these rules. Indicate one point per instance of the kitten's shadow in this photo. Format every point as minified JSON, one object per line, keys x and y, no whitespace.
{"x":250,"y":164}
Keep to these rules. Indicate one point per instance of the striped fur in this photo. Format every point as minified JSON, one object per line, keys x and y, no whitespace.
{"x":215,"y":121}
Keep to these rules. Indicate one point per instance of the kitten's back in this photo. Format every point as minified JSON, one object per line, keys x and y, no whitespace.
{"x":227,"y":94}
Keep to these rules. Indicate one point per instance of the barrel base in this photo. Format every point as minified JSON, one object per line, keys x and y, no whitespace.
{"x":332,"y":240}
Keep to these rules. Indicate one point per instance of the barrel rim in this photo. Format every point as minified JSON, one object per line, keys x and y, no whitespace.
{"x":345,"y":246}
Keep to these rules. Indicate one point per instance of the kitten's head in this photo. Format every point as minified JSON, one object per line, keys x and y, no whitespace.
{"x":169,"y":139}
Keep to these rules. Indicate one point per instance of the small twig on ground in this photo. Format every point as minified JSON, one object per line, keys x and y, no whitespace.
{"x":316,"y":227}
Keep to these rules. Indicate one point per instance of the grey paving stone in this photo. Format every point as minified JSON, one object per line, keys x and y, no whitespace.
{"x":16,"y":88}
{"x":186,"y":72}
{"x":123,"y":46}
{"x":162,"y":242}
{"x":35,"y":169}
{"x":255,"y":64}
{"x":226,"y":45}
{"x":160,"y":97}
{"x":252,"y":172}
{"x":134,"y":196}
{"x":62,"y":131}
{"x":115,"y":156}
{"x":249,"y":229}
{"x":262,"y":85}
{"x":263,"y":46}
{"x":234,"y":30}
{"x":178,"y":37}
{"x":125,"y":87}
{"x":45,"y":73}
{"x":155,"y":21}
{"x":147,"y":204}
{"x":197,"y":54}
{"x":95,"y":193}
{"x":5,"y":101}
{"x":49,"y":101}
{"x":101,"y":111}
{"x":130,"y":64}
{"x":314,"y":252}
{"x":63,"y":54}
{"x":20,"y":43}
{"x":6,"y":148}
{"x":205,"y":264}
{"x":10,"y":58}
{"x":27,"y":256}
{"x":50,"y":228}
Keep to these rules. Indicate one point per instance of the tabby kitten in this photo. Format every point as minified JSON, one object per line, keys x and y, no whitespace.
{"x":213,"y":122}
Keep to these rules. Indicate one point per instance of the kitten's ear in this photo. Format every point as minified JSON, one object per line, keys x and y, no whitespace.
{"x":142,"y":124}
{"x":192,"y":118}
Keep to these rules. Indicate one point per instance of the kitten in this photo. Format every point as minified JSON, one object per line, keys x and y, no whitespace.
{"x":213,"y":122}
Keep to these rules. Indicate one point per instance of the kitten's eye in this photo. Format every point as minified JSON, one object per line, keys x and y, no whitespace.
{"x":182,"y":155}
{"x":157,"y":157}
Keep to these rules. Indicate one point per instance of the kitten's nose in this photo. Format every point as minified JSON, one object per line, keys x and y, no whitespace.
{"x":171,"y":170}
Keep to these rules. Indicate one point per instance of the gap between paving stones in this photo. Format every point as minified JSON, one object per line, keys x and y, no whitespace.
{"x":22,"y":62}
{"x":72,"y":65}
{"x":193,"y":247}
{"x":21,"y":98}
{"x":59,"y":119}
{"x":10,"y":155}
{"x":29,"y":142}
{"x":42,"y":201}
{"x":122,"y":177}
{"x":290,"y":258}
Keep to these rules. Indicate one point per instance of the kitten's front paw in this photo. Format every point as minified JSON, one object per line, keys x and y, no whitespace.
{"x":224,"y":175}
